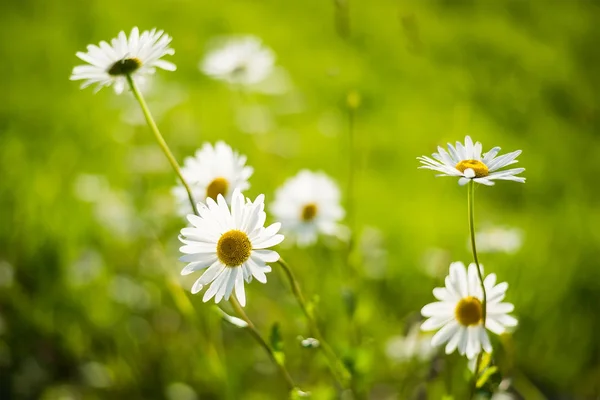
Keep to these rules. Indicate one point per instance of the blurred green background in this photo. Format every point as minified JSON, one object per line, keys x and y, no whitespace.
{"x":91,"y":302}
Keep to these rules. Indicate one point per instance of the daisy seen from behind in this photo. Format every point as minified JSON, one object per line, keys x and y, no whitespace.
{"x":307,"y":205}
{"x":459,"y":312}
{"x":467,"y":163}
{"x":239,"y":60}
{"x":137,"y":55}
{"x":213,"y":171}
{"x":230,"y":244}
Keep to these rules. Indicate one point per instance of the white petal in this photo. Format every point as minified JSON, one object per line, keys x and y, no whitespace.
{"x":266,"y":255}
{"x":434,"y":323}
{"x":199,"y":265}
{"x":473,"y":345}
{"x":443,"y":294}
{"x":216,"y":285}
{"x":455,"y":340}
{"x":463,"y":181}
{"x":438,"y":309}
{"x":485,"y":341}
{"x":444,"y":334}
{"x":500,"y":308}
{"x":240,"y":292}
{"x":272,"y":241}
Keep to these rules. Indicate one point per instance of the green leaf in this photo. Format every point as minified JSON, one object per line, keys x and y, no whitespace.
{"x":486,"y":375}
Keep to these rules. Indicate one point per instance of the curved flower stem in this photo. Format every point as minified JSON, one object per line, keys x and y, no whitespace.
{"x":161,"y":141}
{"x":471,"y":210}
{"x":256,"y":335}
{"x":336,"y":366}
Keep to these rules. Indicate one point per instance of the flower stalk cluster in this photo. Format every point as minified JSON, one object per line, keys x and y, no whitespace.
{"x":227,"y":238}
{"x":470,"y":304}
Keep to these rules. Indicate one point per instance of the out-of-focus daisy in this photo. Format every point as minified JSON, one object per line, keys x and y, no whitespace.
{"x":496,"y":239}
{"x":459,"y":311}
{"x":465,"y":161}
{"x":239,"y":61}
{"x":138,"y":56}
{"x":211,"y":172}
{"x":308,"y":204}
{"x":415,"y":345}
{"x":232,"y":244}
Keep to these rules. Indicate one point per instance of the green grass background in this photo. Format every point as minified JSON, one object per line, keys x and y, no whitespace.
{"x":89,"y":313}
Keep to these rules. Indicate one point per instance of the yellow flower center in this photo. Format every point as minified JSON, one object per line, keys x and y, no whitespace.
{"x":216,"y":187}
{"x":469,"y":311}
{"x":309,"y":212}
{"x":234,"y":248}
{"x":125,"y":66}
{"x":480,"y":168}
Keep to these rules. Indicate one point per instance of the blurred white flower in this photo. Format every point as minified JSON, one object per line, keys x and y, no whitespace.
{"x":113,"y":209}
{"x":373,"y":252}
{"x":211,"y":172}
{"x":7,"y":274}
{"x":86,"y":268}
{"x":239,"y":61}
{"x":307,"y":205}
{"x":96,"y":375}
{"x":310,"y":343}
{"x":466,"y":162}
{"x":138,"y":56}
{"x":180,"y":391}
{"x":497,"y":239}
{"x":459,"y":311}
{"x":129,"y":292}
{"x":232,"y":243}
{"x":435,"y":261}
{"x":415,"y":345}
{"x":504,"y":396}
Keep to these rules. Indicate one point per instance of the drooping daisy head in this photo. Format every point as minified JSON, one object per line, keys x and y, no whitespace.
{"x":138,"y":56}
{"x":239,"y":61}
{"x":214,"y":170}
{"x":231,"y":244}
{"x":308,"y":204}
{"x":459,"y":311}
{"x":466,"y":161}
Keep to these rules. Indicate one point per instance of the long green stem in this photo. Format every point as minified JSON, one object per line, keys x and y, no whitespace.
{"x":159,"y":138}
{"x":471,"y":210}
{"x":337,"y":368}
{"x":256,"y":335}
{"x":351,"y":169}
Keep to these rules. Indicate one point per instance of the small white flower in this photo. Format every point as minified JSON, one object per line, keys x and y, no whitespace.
{"x":308,"y":204}
{"x":138,"y":56}
{"x":467,"y":163}
{"x":232,"y":244}
{"x":459,"y":311}
{"x":239,"y":61}
{"x":497,"y":239}
{"x":211,"y":172}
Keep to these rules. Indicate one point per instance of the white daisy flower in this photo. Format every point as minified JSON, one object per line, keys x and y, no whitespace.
{"x":211,"y":172}
{"x":138,"y":56}
{"x":459,"y":311}
{"x":467,"y":163}
{"x":240,"y":61}
{"x":308,"y":204}
{"x":232,"y":244}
